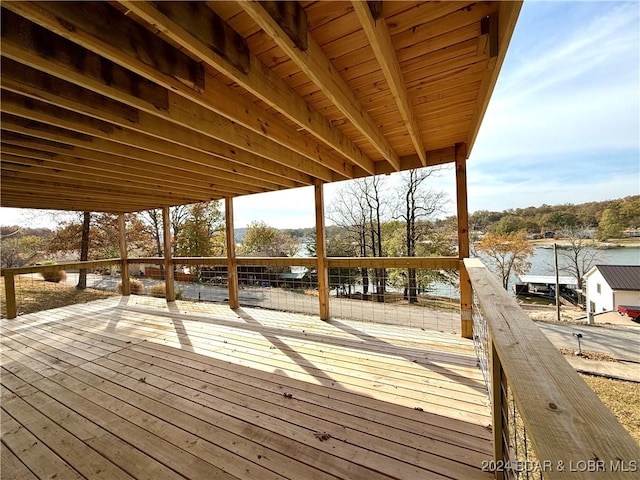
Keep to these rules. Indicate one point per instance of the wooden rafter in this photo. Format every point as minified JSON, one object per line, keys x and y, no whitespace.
{"x":198,"y":164}
{"x":122,"y":106}
{"x":315,"y":64}
{"x":380,"y":41}
{"x":234,"y":114}
{"x":174,"y":20}
{"x":80,"y":100}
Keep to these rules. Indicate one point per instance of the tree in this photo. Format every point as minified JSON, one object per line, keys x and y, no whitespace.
{"x":339,"y":244}
{"x":609,"y":226}
{"x":508,"y":253}
{"x":261,"y":240}
{"x":201,"y":233}
{"x":360,"y":210}
{"x":508,"y":224}
{"x":84,"y":249}
{"x":630,"y":212}
{"x":104,"y":236}
{"x":577,"y":255}
{"x":417,"y":204}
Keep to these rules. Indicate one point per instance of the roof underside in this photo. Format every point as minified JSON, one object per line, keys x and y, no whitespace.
{"x":127,"y":106}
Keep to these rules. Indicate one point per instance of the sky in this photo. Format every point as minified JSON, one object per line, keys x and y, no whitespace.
{"x":563,"y":124}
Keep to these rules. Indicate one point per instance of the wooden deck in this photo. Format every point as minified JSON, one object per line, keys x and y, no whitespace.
{"x":130,"y":388}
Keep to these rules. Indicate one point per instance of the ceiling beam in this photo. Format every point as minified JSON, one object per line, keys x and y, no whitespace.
{"x":379,"y":38}
{"x":176,"y":20}
{"x":236,"y":114}
{"x":50,"y":171}
{"x":41,"y":185}
{"x":179,"y":172}
{"x":78,"y":125}
{"x":131,"y":172}
{"x":315,"y":64}
{"x":83,"y":146}
{"x":37,"y":85}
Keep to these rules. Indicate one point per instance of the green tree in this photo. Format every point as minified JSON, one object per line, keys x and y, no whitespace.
{"x":508,"y":224}
{"x":201,"y":233}
{"x":261,"y":240}
{"x":609,"y":226}
{"x":508,"y":253}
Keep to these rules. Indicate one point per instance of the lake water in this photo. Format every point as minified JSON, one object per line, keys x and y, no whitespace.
{"x":542,"y":263}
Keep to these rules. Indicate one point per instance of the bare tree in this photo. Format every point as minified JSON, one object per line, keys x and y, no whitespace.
{"x":360,"y":209}
{"x":416,"y":205}
{"x":578,"y":253}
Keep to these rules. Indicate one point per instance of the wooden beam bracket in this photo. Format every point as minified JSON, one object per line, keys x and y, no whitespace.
{"x":292,"y":18}
{"x":208,"y":27}
{"x":489,"y":27}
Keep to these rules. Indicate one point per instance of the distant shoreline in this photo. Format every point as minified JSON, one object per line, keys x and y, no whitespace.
{"x":629,"y":242}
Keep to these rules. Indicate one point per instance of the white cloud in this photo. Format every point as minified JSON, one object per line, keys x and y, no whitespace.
{"x":566,"y":87}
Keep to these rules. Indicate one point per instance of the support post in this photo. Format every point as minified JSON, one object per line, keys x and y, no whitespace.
{"x":124,"y":264}
{"x":466,"y":293}
{"x":232,"y":266}
{"x":168,"y":262}
{"x":10,"y":294}
{"x":498,"y":402}
{"x":321,"y":252}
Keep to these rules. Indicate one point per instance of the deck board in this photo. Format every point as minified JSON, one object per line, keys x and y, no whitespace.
{"x":129,"y":387}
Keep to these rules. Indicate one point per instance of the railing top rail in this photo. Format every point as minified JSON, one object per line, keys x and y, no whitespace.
{"x":450,"y":263}
{"x":565,"y":419}
{"x":60,"y":266}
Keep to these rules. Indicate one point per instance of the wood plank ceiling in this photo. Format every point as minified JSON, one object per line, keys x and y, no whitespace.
{"x":131,"y":105}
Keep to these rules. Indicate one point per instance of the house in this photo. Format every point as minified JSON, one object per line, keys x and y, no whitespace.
{"x":608,"y":286}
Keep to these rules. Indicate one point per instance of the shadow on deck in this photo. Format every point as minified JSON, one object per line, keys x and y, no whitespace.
{"x":129,"y":387}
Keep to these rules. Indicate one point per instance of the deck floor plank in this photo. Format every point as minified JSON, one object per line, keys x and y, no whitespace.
{"x":133,"y":387}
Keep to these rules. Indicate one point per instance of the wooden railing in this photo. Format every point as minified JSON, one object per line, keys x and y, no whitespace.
{"x":448,"y":263}
{"x":563,"y":429}
{"x":9,"y":275}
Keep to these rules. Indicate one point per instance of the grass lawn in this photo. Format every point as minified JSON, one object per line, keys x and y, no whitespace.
{"x":34,"y":295}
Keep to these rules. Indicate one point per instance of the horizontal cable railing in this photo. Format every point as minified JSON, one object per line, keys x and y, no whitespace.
{"x":547,"y":422}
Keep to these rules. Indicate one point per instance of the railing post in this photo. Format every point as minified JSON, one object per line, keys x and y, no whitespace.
{"x":321,"y":252}
{"x":466,"y":293}
{"x":498,"y":402}
{"x":170,"y":294}
{"x":124,"y":264}
{"x":10,"y":294}
{"x":232,"y":265}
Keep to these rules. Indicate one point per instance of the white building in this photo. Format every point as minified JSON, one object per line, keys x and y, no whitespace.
{"x":608,"y":286}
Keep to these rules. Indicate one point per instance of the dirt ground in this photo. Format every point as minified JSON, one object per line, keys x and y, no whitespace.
{"x":622,"y":398}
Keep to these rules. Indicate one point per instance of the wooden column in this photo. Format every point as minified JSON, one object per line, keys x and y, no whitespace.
{"x":232,"y":266}
{"x":124,"y":265}
{"x":10,"y":294}
{"x":321,"y":252}
{"x":168,"y":263}
{"x":466,"y":293}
